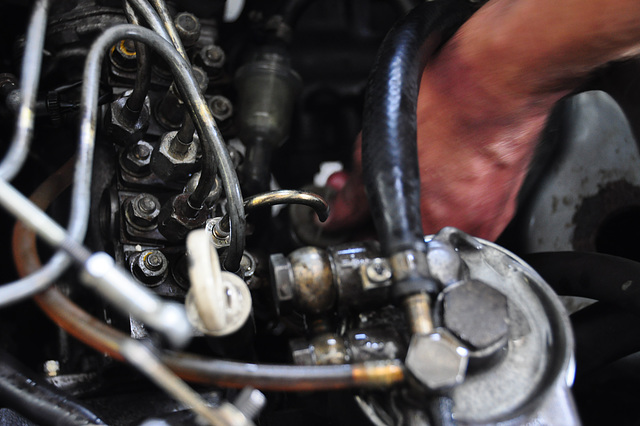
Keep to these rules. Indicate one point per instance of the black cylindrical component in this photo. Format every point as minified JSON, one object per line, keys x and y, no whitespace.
{"x":603,"y":334}
{"x":389,"y":151}
{"x":267,"y":90}
{"x":36,"y":400}
{"x":597,"y":276}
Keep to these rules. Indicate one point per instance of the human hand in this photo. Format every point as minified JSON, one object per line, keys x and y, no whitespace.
{"x":485,"y":99}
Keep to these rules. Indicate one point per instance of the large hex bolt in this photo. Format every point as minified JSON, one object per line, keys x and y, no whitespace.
{"x":150,"y":267}
{"x":477,"y":314}
{"x":136,"y":159}
{"x":188,"y":27}
{"x":438,"y":360}
{"x":124,"y":126}
{"x":177,"y":218}
{"x":171,"y":165}
{"x":141,"y":212}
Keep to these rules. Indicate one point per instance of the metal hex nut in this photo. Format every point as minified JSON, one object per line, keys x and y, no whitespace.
{"x":476,"y":313}
{"x":438,"y":360}
{"x":282,"y":277}
{"x":119,"y":124}
{"x":137,"y":158}
{"x":169,"y":165}
{"x":174,"y":222}
{"x":141,"y":212}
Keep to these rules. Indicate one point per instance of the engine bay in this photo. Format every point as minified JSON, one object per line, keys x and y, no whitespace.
{"x":166,"y":170}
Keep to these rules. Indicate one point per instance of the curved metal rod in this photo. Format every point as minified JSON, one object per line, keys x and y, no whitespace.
{"x":284,"y":196}
{"x":144,"y":9}
{"x":167,"y":20}
{"x":29,"y":78}
{"x":143,"y":73}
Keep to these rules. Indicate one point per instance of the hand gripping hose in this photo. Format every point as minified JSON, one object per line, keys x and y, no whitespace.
{"x":389,"y":150}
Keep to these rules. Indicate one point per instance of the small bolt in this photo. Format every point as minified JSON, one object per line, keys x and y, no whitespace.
{"x":221,"y":108}
{"x":141,"y":152}
{"x":153,"y":261}
{"x":52,"y":368}
{"x":378,"y":271}
{"x":147,"y":204}
{"x":188,"y":27}
{"x":149,"y":267}
{"x":250,"y":402}
{"x":142,"y":212}
{"x":213,"y":54}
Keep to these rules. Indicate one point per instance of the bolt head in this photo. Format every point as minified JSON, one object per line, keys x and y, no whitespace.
{"x":378,"y":271}
{"x":150,"y":267}
{"x":142,"y":212}
{"x":221,"y":108}
{"x":438,"y":360}
{"x":188,"y":27}
{"x":476,"y":313}
{"x":137,"y":159}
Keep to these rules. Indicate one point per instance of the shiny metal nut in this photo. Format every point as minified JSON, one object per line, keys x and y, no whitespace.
{"x":150,"y":267}
{"x":119,"y":126}
{"x":438,"y":360}
{"x":476,"y":313}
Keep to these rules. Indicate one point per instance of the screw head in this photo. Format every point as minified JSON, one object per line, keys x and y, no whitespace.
{"x":379,"y":271}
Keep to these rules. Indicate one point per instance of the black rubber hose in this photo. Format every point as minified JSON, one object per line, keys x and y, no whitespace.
{"x":603,"y":334}
{"x":597,"y":276}
{"x":389,"y":149}
{"x":37,"y":401}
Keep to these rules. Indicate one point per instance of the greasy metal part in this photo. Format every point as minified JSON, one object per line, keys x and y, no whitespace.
{"x":141,"y":212}
{"x":359,"y":345}
{"x":313,"y":291}
{"x":116,"y":285}
{"x":100,"y":272}
{"x":29,"y":78}
{"x":123,"y":125}
{"x":136,"y":159}
{"x":211,"y":58}
{"x":171,"y":164}
{"x":143,"y":73}
{"x":418,"y":312}
{"x":214,"y":194}
{"x":106,"y":339}
{"x":177,"y":218}
{"x":123,"y":55}
{"x":285,"y":196}
{"x":343,"y":278}
{"x":437,"y":359}
{"x":149,"y":267}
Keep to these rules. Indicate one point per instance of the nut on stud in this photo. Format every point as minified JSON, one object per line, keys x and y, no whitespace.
{"x":141,"y":212}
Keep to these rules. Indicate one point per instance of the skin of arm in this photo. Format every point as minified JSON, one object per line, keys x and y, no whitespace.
{"x":485,"y":98}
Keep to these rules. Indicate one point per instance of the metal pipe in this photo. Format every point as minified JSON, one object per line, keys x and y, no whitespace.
{"x":147,"y":12}
{"x":29,"y":77}
{"x":143,"y":73}
{"x":167,"y":20}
